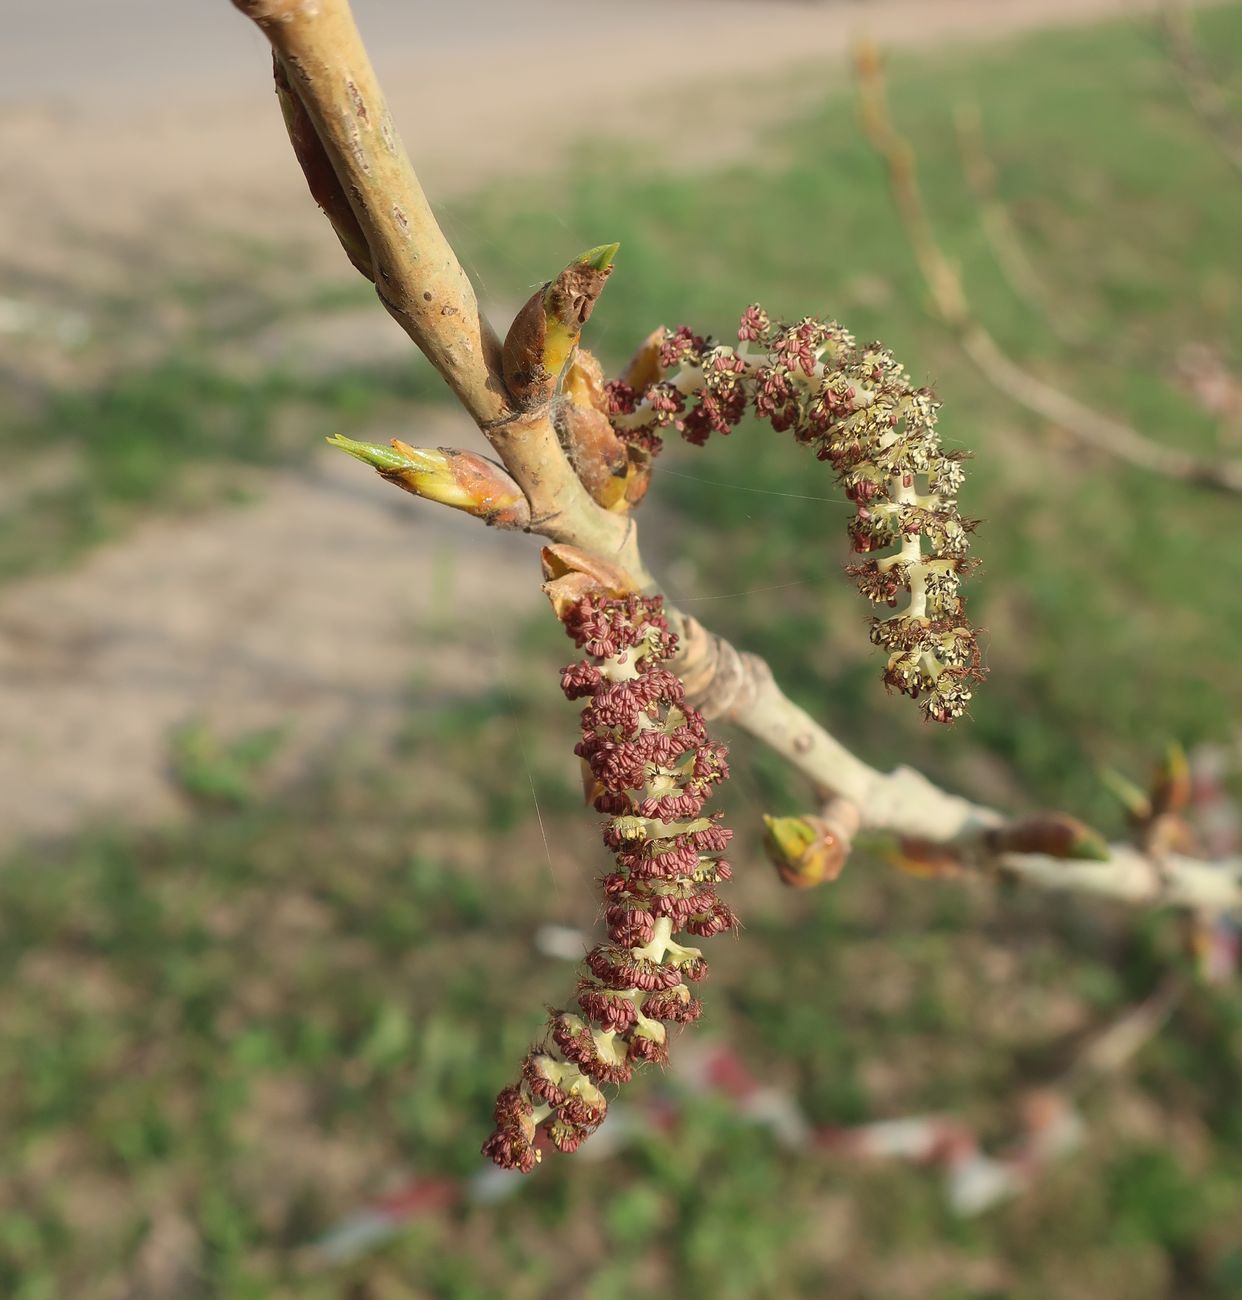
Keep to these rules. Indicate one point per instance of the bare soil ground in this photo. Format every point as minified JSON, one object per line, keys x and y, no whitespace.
{"x":313,"y":607}
{"x":316,"y":611}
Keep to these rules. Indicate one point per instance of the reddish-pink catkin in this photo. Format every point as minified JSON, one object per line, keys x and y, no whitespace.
{"x":855,"y":406}
{"x":653,"y":768}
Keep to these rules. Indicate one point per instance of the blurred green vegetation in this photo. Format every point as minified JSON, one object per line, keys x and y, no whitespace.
{"x":199,"y":419}
{"x":1111,"y":598}
{"x":217,"y":771}
{"x":217,"y":1041}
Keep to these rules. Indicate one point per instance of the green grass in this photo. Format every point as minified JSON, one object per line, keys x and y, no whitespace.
{"x":216,"y":1041}
{"x":196,"y":423}
{"x":232,"y":1035}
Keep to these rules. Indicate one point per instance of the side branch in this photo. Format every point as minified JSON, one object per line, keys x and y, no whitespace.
{"x":948,"y":295}
{"x":740,"y":688}
{"x":1204,"y":93}
{"x":1002,"y":235}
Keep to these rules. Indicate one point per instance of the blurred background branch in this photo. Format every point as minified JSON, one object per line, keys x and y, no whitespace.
{"x":1093,"y":428}
{"x":1205,"y":93}
{"x":1002,"y":234}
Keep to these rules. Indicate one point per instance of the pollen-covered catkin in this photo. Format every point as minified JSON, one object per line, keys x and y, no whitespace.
{"x":856,"y":407}
{"x":652,"y":767}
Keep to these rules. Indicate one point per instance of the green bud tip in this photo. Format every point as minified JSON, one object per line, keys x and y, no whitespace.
{"x":391,"y":460}
{"x":789,"y":836}
{"x":1131,"y":798}
{"x":1090,"y":846}
{"x":599,"y":259}
{"x":381,"y":458}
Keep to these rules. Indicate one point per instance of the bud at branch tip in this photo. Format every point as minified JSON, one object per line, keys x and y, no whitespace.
{"x":459,"y":479}
{"x":545,"y":332}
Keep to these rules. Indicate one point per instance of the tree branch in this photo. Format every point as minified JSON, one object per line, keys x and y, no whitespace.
{"x":740,"y":688}
{"x":1001,"y":232}
{"x":1204,"y":93}
{"x":416,"y":273}
{"x":425,"y":288}
{"x":951,"y":304}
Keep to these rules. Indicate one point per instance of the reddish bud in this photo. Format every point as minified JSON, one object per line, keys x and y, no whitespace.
{"x":1055,"y":834}
{"x":927,"y":859}
{"x":321,"y":177}
{"x":600,"y":459}
{"x":545,"y":331}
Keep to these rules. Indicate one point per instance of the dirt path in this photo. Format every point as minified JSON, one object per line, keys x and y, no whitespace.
{"x":317,"y":611}
{"x":314,"y":607}
{"x":156,"y":117}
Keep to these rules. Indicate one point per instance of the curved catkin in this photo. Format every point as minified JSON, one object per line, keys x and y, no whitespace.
{"x":653,"y":768}
{"x":855,"y":406}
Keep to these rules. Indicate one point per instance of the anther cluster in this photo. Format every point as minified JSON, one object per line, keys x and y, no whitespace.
{"x":856,"y":407}
{"x":651,"y":768}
